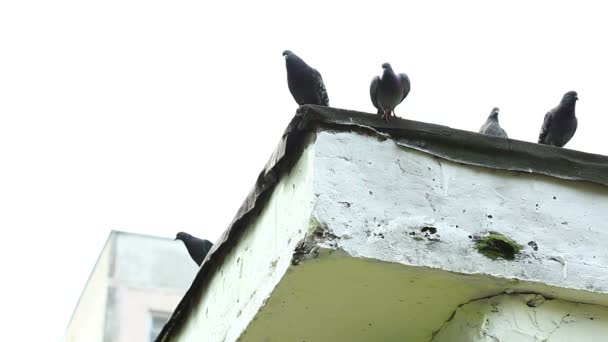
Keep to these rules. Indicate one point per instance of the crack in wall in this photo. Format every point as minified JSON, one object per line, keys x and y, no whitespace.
{"x":323,"y":155}
{"x":444,"y":177}
{"x":559,"y":325}
{"x":483,"y":329}
{"x":398,"y":162}
{"x":456,"y":310}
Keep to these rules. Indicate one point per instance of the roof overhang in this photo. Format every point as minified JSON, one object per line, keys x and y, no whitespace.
{"x":353,"y":218}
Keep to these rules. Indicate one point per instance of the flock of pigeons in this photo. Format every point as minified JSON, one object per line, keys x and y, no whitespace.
{"x":387,"y":91}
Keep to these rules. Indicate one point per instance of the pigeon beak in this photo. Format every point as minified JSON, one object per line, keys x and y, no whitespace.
{"x":576,"y":98}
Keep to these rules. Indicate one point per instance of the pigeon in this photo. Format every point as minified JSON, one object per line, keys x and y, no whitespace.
{"x":305,"y":83}
{"x":492,"y":127}
{"x":560,"y":122}
{"x":387,"y":91}
{"x":197,"y":248}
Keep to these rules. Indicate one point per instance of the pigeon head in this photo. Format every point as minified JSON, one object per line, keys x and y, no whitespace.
{"x":293,"y":60}
{"x":570,"y":98}
{"x":294,"y":63}
{"x":494,"y":113}
{"x":183,"y":236}
{"x":387,"y":72}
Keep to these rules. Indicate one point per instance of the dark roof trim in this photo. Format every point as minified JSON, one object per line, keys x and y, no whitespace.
{"x":444,"y":142}
{"x":473,"y":148}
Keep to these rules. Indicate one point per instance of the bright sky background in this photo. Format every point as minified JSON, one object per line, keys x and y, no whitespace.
{"x":157,"y":116}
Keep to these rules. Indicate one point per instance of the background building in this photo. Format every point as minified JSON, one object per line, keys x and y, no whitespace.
{"x":133,"y":288}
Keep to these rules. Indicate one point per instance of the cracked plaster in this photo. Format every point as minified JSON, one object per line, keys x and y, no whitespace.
{"x":525,"y":318}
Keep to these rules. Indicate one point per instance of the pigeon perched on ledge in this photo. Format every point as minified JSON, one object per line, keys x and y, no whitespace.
{"x":305,"y":83}
{"x":560,"y":122}
{"x":388,"y":91}
{"x":197,"y":248}
{"x":492,"y":127}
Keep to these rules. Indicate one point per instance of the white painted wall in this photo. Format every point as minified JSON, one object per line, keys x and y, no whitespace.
{"x":375,"y":197}
{"x":374,"y":194}
{"x":257,"y":263}
{"x":509,"y":318}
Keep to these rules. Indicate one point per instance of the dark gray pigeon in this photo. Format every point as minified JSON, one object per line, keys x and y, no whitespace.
{"x":492,"y":127}
{"x":197,"y":248}
{"x":387,"y":91}
{"x":305,"y":83}
{"x":560,"y":122}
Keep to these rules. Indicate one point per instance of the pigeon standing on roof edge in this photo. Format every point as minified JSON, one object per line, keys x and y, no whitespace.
{"x":492,"y":126}
{"x":560,"y":122}
{"x":305,"y":83}
{"x":197,"y":248}
{"x":388,"y":91}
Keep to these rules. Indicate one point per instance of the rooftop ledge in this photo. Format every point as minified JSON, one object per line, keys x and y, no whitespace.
{"x":361,"y":230}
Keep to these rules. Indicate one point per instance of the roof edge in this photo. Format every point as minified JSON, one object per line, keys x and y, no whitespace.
{"x":472,"y":148}
{"x":288,"y":151}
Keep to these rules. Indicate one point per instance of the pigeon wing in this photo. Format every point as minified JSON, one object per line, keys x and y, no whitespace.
{"x":198,"y":249}
{"x":484,"y":127}
{"x":405,"y":82}
{"x":504,"y":133}
{"x":373,"y":92}
{"x":545,"y":129}
{"x":319,"y":86}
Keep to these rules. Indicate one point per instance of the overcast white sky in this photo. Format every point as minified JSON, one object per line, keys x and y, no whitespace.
{"x":156,"y":116}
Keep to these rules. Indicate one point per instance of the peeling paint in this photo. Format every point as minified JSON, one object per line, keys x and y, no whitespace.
{"x":317,"y":236}
{"x":400,"y":229}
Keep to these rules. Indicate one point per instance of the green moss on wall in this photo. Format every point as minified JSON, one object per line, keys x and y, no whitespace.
{"x":495,"y":245}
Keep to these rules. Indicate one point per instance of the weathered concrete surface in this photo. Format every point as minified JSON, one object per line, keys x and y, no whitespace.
{"x":392,"y":237}
{"x":394,"y":204}
{"x":376,"y":200}
{"x":259,"y":260}
{"x":335,"y":297}
{"x":525,"y":318}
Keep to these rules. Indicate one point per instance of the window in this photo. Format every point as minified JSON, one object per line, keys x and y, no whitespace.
{"x":157,"y":322}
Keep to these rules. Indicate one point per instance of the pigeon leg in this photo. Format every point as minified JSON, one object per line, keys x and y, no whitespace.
{"x":386,"y":116}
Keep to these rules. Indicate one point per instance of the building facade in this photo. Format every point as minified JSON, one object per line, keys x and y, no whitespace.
{"x":360,"y":230}
{"x":133,"y":288}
